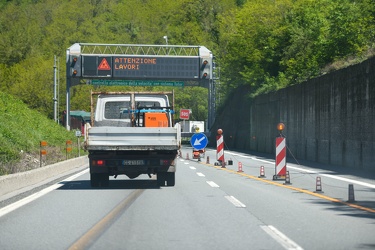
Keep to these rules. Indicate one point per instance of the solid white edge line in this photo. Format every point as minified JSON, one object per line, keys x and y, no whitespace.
{"x":234,"y":201}
{"x":212,"y":184}
{"x":361,"y":183}
{"x":281,"y":238}
{"x":11,"y":207}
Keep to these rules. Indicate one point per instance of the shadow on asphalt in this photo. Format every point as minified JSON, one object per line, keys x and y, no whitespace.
{"x":113,"y":184}
{"x":345,"y":210}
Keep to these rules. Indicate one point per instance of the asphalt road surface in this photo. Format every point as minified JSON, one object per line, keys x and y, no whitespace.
{"x":210,"y":207}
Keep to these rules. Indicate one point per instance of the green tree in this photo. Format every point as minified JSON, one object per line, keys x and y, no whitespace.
{"x":194,"y":98}
{"x":251,"y":44}
{"x":19,"y":33}
{"x":320,"y":32}
{"x":272,"y":44}
{"x":265,"y":44}
{"x":32,"y":82}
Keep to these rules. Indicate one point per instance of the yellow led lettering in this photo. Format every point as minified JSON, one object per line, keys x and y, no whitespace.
{"x":132,"y":63}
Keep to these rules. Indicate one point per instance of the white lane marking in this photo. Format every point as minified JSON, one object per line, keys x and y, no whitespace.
{"x":186,"y":163}
{"x":281,"y":238}
{"x":200,"y":174}
{"x":361,"y":183}
{"x":193,"y":167}
{"x":182,"y":160}
{"x":212,"y":184}
{"x":234,"y":201}
{"x":28,"y":199}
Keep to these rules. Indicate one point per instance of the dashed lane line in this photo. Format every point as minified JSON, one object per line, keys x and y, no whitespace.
{"x":212,"y":184}
{"x":281,"y":238}
{"x":235,"y":202}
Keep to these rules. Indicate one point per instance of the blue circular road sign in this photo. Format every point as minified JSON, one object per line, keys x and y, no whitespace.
{"x":199,"y":141}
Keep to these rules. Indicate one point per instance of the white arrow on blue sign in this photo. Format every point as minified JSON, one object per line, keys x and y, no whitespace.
{"x":199,"y":141}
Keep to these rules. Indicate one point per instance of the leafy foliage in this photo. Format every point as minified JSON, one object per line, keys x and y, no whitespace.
{"x":273,"y":44}
{"x":265,"y":44}
{"x":32,"y":32}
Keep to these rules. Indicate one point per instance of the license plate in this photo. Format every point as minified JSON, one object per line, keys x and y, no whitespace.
{"x":133,"y":162}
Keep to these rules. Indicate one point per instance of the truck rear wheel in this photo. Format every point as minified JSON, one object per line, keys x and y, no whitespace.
{"x":166,"y":177}
{"x":97,"y":180}
{"x":94,"y":180}
{"x":170,"y":179}
{"x":105,"y":180}
{"x":161,"y":178}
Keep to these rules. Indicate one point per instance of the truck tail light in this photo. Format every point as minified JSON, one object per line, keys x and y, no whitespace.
{"x":98,"y":162}
{"x":165,"y":162}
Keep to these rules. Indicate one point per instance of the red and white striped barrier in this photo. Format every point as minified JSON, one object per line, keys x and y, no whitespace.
{"x":280,"y":163}
{"x":220,"y":146}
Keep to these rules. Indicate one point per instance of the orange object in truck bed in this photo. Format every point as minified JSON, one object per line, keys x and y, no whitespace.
{"x":156,"y":120}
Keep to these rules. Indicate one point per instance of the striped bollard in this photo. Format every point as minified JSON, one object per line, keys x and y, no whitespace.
{"x":287,"y":178}
{"x":280,"y":163}
{"x":240,"y":167}
{"x":220,"y":147}
{"x":351,"y":193}
{"x":318,"y":185}
{"x":262,"y":172}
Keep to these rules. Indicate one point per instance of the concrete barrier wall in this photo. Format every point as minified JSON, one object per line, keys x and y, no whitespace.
{"x":13,"y":182}
{"x":329,"y":119}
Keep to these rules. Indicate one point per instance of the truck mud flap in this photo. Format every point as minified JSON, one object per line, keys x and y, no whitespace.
{"x":166,"y":179}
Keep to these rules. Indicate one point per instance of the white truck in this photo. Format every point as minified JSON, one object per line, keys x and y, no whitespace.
{"x":192,"y":126}
{"x":132,"y":133}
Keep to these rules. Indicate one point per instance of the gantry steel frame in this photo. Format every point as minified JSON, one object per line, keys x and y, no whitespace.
{"x":98,"y":49}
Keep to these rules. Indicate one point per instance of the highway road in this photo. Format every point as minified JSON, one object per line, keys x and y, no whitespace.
{"x":210,"y":207}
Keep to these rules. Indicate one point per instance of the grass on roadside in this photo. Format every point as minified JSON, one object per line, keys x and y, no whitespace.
{"x":21,"y":131}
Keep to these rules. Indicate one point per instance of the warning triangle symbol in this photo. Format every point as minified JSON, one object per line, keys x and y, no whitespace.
{"x":104,"y":65}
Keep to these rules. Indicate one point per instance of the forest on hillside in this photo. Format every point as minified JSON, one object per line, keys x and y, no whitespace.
{"x":266,"y":44}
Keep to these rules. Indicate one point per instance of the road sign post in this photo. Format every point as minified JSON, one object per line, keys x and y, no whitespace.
{"x":78,"y":134}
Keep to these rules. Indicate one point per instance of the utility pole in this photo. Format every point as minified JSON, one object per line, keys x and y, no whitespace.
{"x":58,"y":90}
{"x":54,"y":91}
